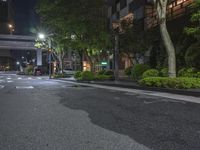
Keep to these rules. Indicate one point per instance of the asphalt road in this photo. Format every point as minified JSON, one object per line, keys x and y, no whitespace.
{"x":41,"y":114}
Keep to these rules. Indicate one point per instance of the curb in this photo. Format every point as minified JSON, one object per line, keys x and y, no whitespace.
{"x":195,"y":92}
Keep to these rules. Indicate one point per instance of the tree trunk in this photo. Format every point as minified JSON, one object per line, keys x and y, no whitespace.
{"x":91,"y":63}
{"x":169,"y":48}
{"x":60,"y":63}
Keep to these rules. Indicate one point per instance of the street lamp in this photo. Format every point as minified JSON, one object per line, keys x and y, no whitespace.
{"x":116,"y":29}
{"x":11,"y":28}
{"x":43,"y":37}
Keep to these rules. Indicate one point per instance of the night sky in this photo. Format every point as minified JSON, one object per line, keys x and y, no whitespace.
{"x":25,"y":17}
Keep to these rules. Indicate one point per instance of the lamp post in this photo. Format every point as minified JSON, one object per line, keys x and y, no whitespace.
{"x":49,"y":54}
{"x":43,"y":37}
{"x":116,"y":29}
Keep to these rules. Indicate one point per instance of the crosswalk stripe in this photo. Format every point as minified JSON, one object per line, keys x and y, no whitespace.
{"x":24,"y":87}
{"x":2,"y":86}
{"x":2,"y":81}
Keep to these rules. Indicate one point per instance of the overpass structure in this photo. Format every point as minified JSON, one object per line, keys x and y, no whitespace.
{"x":20,"y":42}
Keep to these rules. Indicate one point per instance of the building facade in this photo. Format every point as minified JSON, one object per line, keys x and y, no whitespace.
{"x":144,"y":12}
{"x":6,"y":27}
{"x":6,"y":16}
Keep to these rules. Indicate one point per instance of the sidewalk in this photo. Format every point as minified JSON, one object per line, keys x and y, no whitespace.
{"x":134,"y":85}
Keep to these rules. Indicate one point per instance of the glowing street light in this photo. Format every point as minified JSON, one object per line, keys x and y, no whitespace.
{"x":41,"y":36}
{"x":10,"y":26}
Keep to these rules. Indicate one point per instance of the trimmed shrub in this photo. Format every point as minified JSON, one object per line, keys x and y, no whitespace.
{"x":60,"y":76}
{"x":102,"y":77}
{"x":77,"y":75}
{"x":164,"y":72}
{"x":138,"y":70}
{"x":167,"y":82}
{"x":101,"y":72}
{"x":87,"y":76}
{"x":187,"y":72}
{"x":109,"y":73}
{"x":128,"y":71}
{"x":198,"y":74}
{"x":150,"y":73}
{"x":29,"y":70}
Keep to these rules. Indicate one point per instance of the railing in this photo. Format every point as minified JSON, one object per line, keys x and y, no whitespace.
{"x":175,"y":9}
{"x":17,"y":42}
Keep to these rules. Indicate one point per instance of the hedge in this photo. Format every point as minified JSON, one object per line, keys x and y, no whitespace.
{"x":138,"y":70}
{"x":150,"y":73}
{"x":77,"y":75}
{"x":103,"y":77}
{"x":167,"y":82}
{"x":87,"y":76}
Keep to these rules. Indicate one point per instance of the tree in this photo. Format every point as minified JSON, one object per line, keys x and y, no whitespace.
{"x":195,"y":19}
{"x":58,"y":48}
{"x":192,"y":54}
{"x":84,"y":20}
{"x":161,"y":8}
{"x":134,"y":40}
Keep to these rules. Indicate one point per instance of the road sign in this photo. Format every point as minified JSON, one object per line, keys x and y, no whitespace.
{"x":104,"y":63}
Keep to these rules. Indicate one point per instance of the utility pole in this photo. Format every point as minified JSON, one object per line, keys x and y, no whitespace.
{"x":116,"y":28}
{"x":116,"y":57}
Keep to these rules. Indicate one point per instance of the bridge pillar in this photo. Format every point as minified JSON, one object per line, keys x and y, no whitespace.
{"x":39,"y":57}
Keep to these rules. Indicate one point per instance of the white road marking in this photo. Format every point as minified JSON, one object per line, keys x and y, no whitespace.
{"x":24,"y":87}
{"x":39,"y":78}
{"x":9,"y":81}
{"x":2,"y":81}
{"x":19,"y":78}
{"x":29,"y":78}
{"x":2,"y":86}
{"x":8,"y":78}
